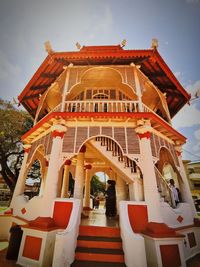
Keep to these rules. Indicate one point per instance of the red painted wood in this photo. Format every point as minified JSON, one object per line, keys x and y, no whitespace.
{"x":170,"y":255}
{"x":32,"y":247}
{"x":62,"y":212}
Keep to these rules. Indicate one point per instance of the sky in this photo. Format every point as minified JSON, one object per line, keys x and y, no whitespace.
{"x":25,"y":25}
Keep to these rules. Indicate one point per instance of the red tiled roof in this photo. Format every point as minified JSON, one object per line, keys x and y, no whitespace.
{"x":152,"y":65}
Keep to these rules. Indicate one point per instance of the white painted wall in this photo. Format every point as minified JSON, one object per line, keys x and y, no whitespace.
{"x":65,"y":245}
{"x":170,"y":215}
{"x":133,"y":244}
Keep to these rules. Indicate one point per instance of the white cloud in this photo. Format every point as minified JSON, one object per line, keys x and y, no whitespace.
{"x":187,"y":117}
{"x":192,"y":88}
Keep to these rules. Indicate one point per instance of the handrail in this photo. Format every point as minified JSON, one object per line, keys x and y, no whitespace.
{"x":160,"y":176}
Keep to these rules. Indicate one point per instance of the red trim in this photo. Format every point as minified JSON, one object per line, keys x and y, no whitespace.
{"x":66,"y":115}
{"x":23,"y":210}
{"x":88,"y":167}
{"x":160,"y":230}
{"x":68,"y":162}
{"x":32,"y":247}
{"x":57,"y":134}
{"x":170,"y":255}
{"x":62,"y":213}
{"x":144,"y":135}
{"x":178,"y":153}
{"x":26,"y":150}
{"x":42,"y":223}
{"x":83,"y":149}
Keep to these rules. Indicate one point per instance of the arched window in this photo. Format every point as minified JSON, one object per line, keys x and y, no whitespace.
{"x":100,"y":96}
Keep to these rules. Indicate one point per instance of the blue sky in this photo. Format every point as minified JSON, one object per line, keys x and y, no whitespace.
{"x":25,"y":25}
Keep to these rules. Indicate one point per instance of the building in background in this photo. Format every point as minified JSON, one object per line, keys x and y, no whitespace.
{"x":193,"y":174}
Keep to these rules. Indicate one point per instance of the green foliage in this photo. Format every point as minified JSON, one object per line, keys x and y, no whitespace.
{"x":14,"y":123}
{"x":96,"y":185}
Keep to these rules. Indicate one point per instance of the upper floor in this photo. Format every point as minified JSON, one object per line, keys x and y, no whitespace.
{"x":104,"y":79}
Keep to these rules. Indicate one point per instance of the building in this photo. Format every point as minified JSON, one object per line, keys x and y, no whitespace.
{"x":108,"y":109}
{"x":193,"y":174}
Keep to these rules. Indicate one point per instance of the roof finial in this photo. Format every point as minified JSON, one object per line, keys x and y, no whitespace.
{"x":123,"y":43}
{"x":154,"y":43}
{"x":78,"y":46}
{"x":48,"y":47}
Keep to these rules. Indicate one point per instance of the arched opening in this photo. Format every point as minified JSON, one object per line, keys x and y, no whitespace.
{"x":167,"y":171}
{"x":156,"y":101}
{"x":33,"y":180}
{"x":101,"y":83}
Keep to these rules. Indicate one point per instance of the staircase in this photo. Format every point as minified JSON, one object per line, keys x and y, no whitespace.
{"x":112,"y":152}
{"x":99,"y":247}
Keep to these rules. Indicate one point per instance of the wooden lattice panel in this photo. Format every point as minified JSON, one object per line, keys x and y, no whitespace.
{"x":94,"y":131}
{"x":107,"y":131}
{"x":119,"y":136}
{"x":69,"y":139}
{"x":132,"y":141}
{"x":81,"y":137}
{"x":46,"y":141}
{"x":130,"y":77}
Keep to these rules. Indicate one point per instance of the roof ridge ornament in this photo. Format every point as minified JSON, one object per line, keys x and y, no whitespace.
{"x":48,"y":47}
{"x":154,"y":43}
{"x":123,"y":43}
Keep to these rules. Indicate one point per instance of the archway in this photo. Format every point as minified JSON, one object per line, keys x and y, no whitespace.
{"x":33,"y":180}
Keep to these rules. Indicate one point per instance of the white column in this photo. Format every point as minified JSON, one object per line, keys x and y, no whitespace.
{"x":79,"y":175}
{"x":149,"y":177}
{"x":19,"y":188}
{"x":66,"y":86}
{"x":121,"y":192}
{"x":42,"y":186}
{"x":137,"y":86}
{"x":51,"y":184}
{"x":65,"y":183}
{"x":185,"y":189}
{"x":87,"y":186}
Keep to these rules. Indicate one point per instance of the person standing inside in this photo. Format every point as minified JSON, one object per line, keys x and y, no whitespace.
{"x":174,"y":193}
{"x":111,"y":199}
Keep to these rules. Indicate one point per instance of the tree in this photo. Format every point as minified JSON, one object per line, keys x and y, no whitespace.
{"x":97,"y":185}
{"x":14,"y":123}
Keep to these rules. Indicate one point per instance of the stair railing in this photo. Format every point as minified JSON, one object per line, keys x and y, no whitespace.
{"x":163,"y":187}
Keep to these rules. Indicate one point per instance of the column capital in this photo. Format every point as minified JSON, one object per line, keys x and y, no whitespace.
{"x":178,"y":149}
{"x":67,"y":162}
{"x":88,"y":167}
{"x":27,"y":148}
{"x":58,"y":130}
{"x":143,"y":131}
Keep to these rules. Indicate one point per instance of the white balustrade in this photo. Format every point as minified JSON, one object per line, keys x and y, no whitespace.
{"x":101,"y":106}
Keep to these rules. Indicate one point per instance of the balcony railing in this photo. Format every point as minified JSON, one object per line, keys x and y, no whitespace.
{"x":101,"y":106}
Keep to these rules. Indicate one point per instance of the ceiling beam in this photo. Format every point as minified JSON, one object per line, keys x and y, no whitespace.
{"x":40,"y":87}
{"x":48,"y":75}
